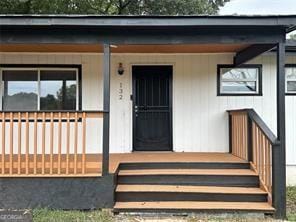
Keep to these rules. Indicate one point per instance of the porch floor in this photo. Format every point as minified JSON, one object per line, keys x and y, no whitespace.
{"x":159,"y":157}
{"x":93,"y":162}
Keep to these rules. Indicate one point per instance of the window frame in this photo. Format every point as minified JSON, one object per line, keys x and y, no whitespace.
{"x":38,"y":68}
{"x":293,"y":93}
{"x":258,"y":80}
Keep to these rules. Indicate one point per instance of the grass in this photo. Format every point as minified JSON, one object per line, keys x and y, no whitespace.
{"x":46,"y":215}
{"x":291,"y":203}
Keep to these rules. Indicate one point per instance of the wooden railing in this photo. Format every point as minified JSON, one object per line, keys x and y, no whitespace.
{"x":252,"y":140}
{"x":44,"y":143}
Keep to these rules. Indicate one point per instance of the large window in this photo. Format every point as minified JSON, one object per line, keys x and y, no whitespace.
{"x":244,"y":80}
{"x":291,"y":79}
{"x":41,"y":88}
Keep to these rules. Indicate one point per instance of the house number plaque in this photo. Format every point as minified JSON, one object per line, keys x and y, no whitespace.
{"x":120,"y":91}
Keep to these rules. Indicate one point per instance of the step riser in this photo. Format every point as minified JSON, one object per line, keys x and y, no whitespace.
{"x":140,"y":166}
{"x":170,"y":196}
{"x":200,"y":180}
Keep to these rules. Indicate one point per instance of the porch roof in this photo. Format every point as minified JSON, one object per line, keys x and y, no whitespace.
{"x":247,"y":36}
{"x":286,"y":21}
{"x":144,"y":30}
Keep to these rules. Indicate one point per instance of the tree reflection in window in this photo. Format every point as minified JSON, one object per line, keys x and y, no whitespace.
{"x":239,"y":80}
{"x":20,"y":89}
{"x":58,"y":90}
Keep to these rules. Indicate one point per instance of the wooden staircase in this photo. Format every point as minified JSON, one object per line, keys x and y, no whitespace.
{"x":189,"y":187}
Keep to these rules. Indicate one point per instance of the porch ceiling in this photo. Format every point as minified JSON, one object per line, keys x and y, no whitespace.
{"x":96,"y":48}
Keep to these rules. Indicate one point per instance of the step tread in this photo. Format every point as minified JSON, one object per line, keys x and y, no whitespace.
{"x":195,"y":205}
{"x":242,"y":172}
{"x":189,"y":189}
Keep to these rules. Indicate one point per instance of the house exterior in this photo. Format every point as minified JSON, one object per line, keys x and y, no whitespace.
{"x":93,"y":104}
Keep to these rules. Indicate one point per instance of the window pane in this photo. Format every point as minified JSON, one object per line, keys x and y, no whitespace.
{"x":241,"y":87}
{"x":20,"y":90}
{"x":291,"y":86}
{"x":239,"y":73}
{"x":58,"y":90}
{"x":291,"y":73}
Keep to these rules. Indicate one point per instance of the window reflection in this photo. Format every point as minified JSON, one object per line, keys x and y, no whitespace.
{"x":243,"y":80}
{"x":239,"y":86}
{"x":58,"y":90}
{"x":20,"y":90}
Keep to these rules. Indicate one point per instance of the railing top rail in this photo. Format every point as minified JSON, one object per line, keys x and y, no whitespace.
{"x":259,"y":122}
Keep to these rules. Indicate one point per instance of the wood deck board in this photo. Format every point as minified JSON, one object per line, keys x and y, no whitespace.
{"x":166,"y":157}
{"x":188,"y":189}
{"x":94,"y":161}
{"x":195,"y":205}
{"x":46,"y":175}
{"x":243,"y":172}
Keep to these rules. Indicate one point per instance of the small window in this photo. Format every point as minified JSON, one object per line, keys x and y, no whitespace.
{"x":244,"y":80}
{"x":40,"y":89}
{"x":291,"y":80}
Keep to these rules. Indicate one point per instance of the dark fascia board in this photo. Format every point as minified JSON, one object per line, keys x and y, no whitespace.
{"x":140,"y":35}
{"x":287,"y":21}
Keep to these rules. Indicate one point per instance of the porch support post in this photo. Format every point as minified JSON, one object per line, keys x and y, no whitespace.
{"x":279,"y":171}
{"x":106,"y":115}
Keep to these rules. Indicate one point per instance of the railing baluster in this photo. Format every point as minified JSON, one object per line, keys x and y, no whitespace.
{"x":242,"y":137}
{"x":11,"y":145}
{"x":27,"y":143}
{"x":253,"y":142}
{"x":83,"y":141}
{"x":43,"y":142}
{"x":240,"y":144}
{"x":35,"y":141}
{"x":75,"y":142}
{"x":68,"y":142}
{"x":234,"y":129}
{"x":51,"y":142}
{"x":259,"y":153}
{"x":19,"y":143}
{"x":265,"y":162}
{"x":261,"y":156}
{"x":269,"y":166}
{"x":257,"y":149}
{"x":263,"y":159}
{"x":233,"y":134}
{"x":60,"y":143}
{"x":3,"y":143}
{"x":246,"y":138}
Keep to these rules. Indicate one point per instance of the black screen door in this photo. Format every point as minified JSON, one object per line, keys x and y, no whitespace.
{"x":152,"y":108}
